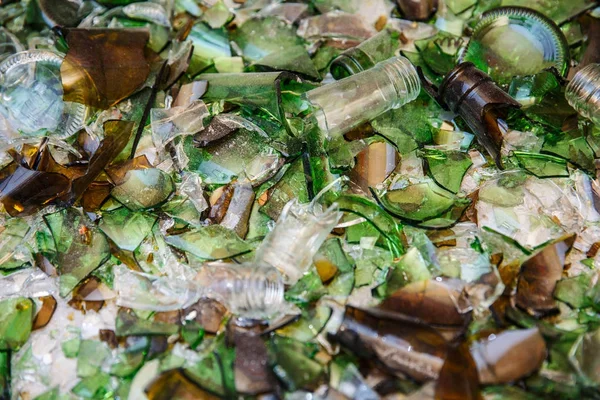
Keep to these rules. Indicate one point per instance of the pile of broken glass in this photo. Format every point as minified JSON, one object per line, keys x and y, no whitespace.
{"x":181,"y":219}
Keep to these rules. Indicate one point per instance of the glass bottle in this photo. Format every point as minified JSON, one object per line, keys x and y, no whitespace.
{"x":583,"y":92}
{"x":366,"y":55}
{"x":473,"y":95}
{"x":343,"y":105}
{"x":248,"y":290}
{"x":299,"y":232}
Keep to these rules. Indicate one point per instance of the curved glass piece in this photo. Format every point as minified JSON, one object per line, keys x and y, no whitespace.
{"x":31,"y":94}
{"x":512,"y":41}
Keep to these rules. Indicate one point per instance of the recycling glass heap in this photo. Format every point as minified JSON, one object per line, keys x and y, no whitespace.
{"x":311,"y":200}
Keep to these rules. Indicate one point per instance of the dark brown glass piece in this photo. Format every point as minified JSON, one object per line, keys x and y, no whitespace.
{"x":116,"y":137}
{"x":26,"y":191}
{"x":217,"y":129}
{"x":253,"y":374}
{"x":539,"y":275}
{"x":109,"y":337}
{"x":45,"y":313}
{"x":208,"y":313}
{"x":175,"y":385}
{"x":473,"y":95}
{"x":431,"y":302}
{"x":592,"y":52}
{"x":418,"y":10}
{"x":408,"y":348}
{"x":85,"y":296}
{"x":62,"y":13}
{"x":104,"y":66}
{"x":219,"y":209}
{"x":238,"y":212}
{"x":95,"y":195}
{"x":117,"y":172}
{"x":458,"y":378}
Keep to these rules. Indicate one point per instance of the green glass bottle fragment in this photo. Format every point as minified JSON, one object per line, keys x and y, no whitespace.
{"x":125,"y":228}
{"x":16,"y":320}
{"x":80,"y":247}
{"x":213,"y":242}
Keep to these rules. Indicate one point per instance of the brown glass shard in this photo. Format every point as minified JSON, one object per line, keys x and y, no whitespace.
{"x":44,"y":315}
{"x":458,"y":378}
{"x":87,"y":297}
{"x":400,"y":347}
{"x":116,"y":137}
{"x":238,"y":212}
{"x":25,"y":191}
{"x":208,"y":313}
{"x":109,"y":337}
{"x":219,"y":209}
{"x":432,"y":302}
{"x":175,"y":385}
{"x":104,"y":66}
{"x":117,"y":172}
{"x":253,"y":374}
{"x":509,"y":356}
{"x":95,"y":195}
{"x":418,"y":10}
{"x":539,"y":275}
{"x":218,"y":128}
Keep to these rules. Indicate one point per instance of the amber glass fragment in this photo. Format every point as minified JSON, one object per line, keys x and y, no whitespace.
{"x":401,"y":347}
{"x":117,"y":172}
{"x":429,"y":301}
{"x":208,"y":313}
{"x":95,"y":195}
{"x":87,"y":297}
{"x":116,"y":137}
{"x":175,"y":385}
{"x":44,"y":315}
{"x":104,"y":66}
{"x":539,"y":275}
{"x":26,"y":191}
{"x":458,"y":378}
{"x":418,"y":10}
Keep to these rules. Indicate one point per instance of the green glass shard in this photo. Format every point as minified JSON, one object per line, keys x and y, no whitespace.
{"x":143,"y":189}
{"x":212,"y":242}
{"x":293,"y":365}
{"x":412,"y":267}
{"x":419,"y":200}
{"x":94,"y":387}
{"x":220,"y":162}
{"x":307,"y":290}
{"x":129,"y":324}
{"x":255,"y":37}
{"x":309,"y":325}
{"x":574,"y":290}
{"x":291,"y":185}
{"x":214,"y":372}
{"x":218,"y":15}
{"x":440,"y":52}
{"x":5,"y":374}
{"x":376,"y":217}
{"x":125,"y":228}
{"x":293,"y":59}
{"x":80,"y":247}
{"x":541,"y":165}
{"x":90,"y":357}
{"x":413,"y":119}
{"x":16,"y":318}
{"x":559,"y":11}
{"x":208,"y":45}
{"x":571,"y":146}
{"x":447,"y":168}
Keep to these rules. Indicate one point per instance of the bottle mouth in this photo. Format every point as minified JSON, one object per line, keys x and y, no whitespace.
{"x":583,"y":92}
{"x":404,"y":77}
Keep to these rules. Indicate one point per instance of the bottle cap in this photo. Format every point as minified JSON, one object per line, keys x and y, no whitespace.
{"x":513,"y":41}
